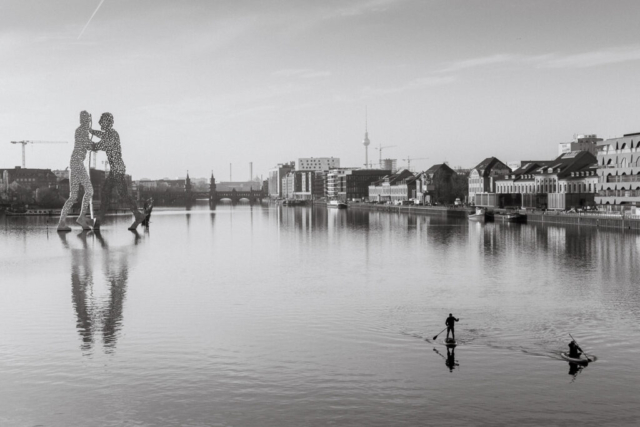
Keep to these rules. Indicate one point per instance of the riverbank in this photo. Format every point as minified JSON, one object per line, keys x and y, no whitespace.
{"x":586,"y":219}
{"x":581,"y":219}
{"x":413,"y":209}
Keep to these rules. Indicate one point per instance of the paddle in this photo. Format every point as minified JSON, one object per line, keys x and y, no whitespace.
{"x":583,"y":352}
{"x":434,"y":338}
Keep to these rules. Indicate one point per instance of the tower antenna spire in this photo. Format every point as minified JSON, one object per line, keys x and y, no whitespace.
{"x":366,"y":141}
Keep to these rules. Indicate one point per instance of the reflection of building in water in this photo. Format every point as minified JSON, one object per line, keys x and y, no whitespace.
{"x":95,"y":313}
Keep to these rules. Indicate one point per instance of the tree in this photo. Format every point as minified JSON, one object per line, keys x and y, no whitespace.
{"x":49,"y":198}
{"x":460,"y":186}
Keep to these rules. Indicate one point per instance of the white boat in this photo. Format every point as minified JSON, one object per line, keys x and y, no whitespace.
{"x":337,"y":204}
{"x":481,"y":215}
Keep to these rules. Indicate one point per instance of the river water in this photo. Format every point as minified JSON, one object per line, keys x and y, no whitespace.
{"x":280,"y":316}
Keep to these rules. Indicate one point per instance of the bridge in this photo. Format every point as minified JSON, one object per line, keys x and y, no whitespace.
{"x":186,"y":195}
{"x":233,"y":195}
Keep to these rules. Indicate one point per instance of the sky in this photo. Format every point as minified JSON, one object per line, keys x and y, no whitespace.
{"x":199,"y":85}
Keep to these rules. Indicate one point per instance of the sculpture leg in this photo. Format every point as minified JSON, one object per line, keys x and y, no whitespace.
{"x":86,"y":200}
{"x":73,"y":196}
{"x":124,"y":193}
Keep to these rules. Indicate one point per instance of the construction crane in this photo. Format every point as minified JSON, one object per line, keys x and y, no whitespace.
{"x":408,"y":160}
{"x":24,"y":143}
{"x":380,"y":148}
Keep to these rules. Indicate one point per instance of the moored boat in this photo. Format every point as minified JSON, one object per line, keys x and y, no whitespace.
{"x":336,"y":204}
{"x":512,"y":217}
{"x":481,"y":215}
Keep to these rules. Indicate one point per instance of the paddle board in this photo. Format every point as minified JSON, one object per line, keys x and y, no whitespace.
{"x":450,"y":342}
{"x":581,"y":359}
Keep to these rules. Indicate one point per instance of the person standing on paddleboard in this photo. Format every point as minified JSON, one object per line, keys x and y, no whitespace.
{"x":574,"y":350}
{"x":451,"y":323}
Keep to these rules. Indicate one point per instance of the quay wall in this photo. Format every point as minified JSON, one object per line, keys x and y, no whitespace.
{"x":415,"y":209}
{"x":605,"y":221}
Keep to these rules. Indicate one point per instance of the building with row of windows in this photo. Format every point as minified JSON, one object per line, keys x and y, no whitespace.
{"x":571,"y":172}
{"x":299,"y":185}
{"x":29,"y":179}
{"x":275,"y":176}
{"x":568,"y":181}
{"x":396,"y":187}
{"x":619,"y":172}
{"x":317,"y":163}
{"x":482,"y":178}
{"x":352,"y":184}
{"x":312,"y":178}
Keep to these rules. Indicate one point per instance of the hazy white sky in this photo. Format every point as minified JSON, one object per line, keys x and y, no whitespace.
{"x":200,"y":84}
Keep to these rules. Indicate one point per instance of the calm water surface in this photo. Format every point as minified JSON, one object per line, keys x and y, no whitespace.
{"x":275,"y":316}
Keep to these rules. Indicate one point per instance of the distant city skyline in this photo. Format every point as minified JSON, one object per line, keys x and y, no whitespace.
{"x":198,"y":85}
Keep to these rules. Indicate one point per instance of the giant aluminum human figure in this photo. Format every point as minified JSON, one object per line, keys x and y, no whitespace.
{"x":78,"y":176}
{"x":110,"y":144}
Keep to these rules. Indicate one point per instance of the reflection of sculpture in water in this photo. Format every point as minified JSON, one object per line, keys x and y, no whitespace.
{"x":78,"y":176}
{"x":110,"y":144}
{"x":81,"y":285}
{"x":98,"y":314}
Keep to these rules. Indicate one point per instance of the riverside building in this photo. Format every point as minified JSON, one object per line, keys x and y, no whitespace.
{"x":397,"y":187}
{"x":317,"y":163}
{"x":568,"y":181}
{"x":298,"y":185}
{"x":619,"y":172}
{"x":482,"y":177}
{"x":435,"y":185}
{"x":275,"y":178}
{"x":30,"y":179}
{"x":580,"y":143}
{"x":351,"y":184}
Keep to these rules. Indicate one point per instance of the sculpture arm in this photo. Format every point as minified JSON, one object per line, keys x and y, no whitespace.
{"x":100,"y":145}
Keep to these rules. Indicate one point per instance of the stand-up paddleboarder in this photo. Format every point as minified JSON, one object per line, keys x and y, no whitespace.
{"x":451,"y":324}
{"x":574,"y":350}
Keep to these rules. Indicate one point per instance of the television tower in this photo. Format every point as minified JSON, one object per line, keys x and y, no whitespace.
{"x":366,"y":141}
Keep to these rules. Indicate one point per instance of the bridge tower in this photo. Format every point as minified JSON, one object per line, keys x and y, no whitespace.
{"x":212,"y":189}
{"x":187,"y":189}
{"x":187,"y":184}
